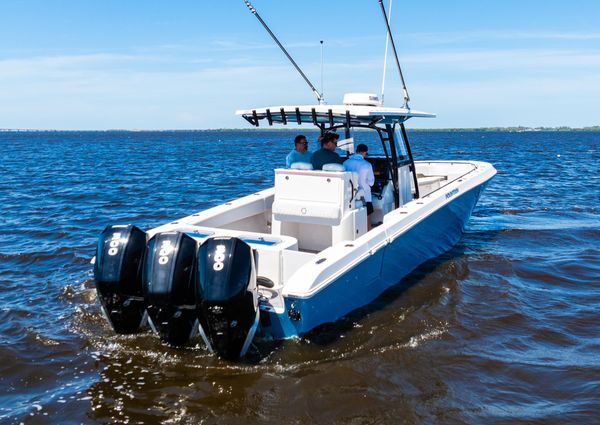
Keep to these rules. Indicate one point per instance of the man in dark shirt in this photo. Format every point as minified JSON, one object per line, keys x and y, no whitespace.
{"x":327,"y":154}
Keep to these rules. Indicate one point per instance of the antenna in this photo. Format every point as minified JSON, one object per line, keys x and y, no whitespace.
{"x":322,"y":91}
{"x":255,"y":13}
{"x":387,"y":42}
{"x":389,"y":30}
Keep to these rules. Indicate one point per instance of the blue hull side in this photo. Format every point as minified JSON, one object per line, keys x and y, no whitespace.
{"x":359,"y":286}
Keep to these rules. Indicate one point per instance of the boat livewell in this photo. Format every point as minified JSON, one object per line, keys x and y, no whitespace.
{"x":280,"y":262}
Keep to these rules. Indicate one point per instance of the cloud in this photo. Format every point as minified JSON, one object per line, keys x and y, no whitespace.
{"x":61,"y":64}
{"x":509,"y":58}
{"x":445,"y":38}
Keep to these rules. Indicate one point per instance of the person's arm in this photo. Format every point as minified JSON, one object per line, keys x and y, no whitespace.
{"x":289,"y":159}
{"x":363,"y":180}
{"x":370,"y":176}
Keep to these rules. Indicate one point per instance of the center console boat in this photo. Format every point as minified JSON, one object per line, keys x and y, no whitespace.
{"x":282,"y":261}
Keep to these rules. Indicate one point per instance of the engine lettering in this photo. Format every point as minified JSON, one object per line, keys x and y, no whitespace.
{"x":165,"y":249}
{"x":219,"y":256}
{"x":114,"y":244}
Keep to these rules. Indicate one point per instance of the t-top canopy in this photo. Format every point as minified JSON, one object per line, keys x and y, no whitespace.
{"x":332,"y":115}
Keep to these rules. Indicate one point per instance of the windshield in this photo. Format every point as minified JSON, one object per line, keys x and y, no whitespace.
{"x":372,"y":140}
{"x":369,"y":138}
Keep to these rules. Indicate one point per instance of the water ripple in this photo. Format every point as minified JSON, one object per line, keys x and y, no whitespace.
{"x":501,"y":329}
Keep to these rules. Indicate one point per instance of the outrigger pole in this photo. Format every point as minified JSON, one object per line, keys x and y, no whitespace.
{"x":387,"y":42}
{"x":315,"y":91}
{"x":389,"y":30}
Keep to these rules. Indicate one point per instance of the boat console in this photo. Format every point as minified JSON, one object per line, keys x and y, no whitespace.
{"x":382,"y":173}
{"x":382,"y":192}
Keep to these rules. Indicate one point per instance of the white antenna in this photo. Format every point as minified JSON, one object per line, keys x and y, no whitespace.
{"x":389,"y":30}
{"x":387,"y":42}
{"x":322,"y":69}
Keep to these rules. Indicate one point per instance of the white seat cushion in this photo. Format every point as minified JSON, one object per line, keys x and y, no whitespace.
{"x":301,"y":166}
{"x":334,"y":167}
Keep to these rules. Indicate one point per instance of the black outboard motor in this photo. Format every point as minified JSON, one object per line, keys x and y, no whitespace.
{"x":117,"y":272}
{"x":227,"y":296}
{"x":169,"y":290}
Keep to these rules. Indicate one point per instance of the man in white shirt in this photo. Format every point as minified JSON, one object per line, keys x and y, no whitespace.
{"x":300,"y":152}
{"x":358,"y":164}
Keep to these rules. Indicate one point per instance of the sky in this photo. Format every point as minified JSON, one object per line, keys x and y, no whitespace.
{"x":95,"y":65}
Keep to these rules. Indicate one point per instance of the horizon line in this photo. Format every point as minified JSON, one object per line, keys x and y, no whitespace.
{"x":273,"y":128}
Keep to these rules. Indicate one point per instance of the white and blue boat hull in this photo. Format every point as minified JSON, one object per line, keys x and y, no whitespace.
{"x":382,"y":269}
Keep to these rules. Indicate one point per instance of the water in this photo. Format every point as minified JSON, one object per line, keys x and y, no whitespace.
{"x":504,"y":328}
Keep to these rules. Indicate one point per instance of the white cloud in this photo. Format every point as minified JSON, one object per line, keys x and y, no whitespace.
{"x":444,"y":38}
{"x":501,"y":59}
{"x":526,"y":101}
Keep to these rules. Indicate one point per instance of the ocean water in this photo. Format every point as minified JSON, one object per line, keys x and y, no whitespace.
{"x":503,"y":329}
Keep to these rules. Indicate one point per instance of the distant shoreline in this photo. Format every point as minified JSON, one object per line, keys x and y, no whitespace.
{"x":295,"y":129}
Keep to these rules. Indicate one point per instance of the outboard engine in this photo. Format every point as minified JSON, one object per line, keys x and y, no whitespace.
{"x":168,"y":283}
{"x":227,"y":295}
{"x":117,"y":272}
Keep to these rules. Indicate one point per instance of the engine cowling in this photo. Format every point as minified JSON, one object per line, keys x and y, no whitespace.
{"x":117,"y":272}
{"x":227,"y":295}
{"x":168,"y":284}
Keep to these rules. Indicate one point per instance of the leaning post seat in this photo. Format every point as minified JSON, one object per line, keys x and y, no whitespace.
{"x":313,"y":196}
{"x":317,"y":207}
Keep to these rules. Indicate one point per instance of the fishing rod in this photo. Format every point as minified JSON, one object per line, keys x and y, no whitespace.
{"x":389,"y":30}
{"x":315,"y":91}
{"x":385,"y":56}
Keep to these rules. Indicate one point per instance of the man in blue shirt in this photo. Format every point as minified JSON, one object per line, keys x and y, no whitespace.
{"x":300,"y":152}
{"x":326,"y":155}
{"x":359,"y":165}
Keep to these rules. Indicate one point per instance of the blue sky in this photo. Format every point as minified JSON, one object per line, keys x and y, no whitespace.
{"x":191,"y":64}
